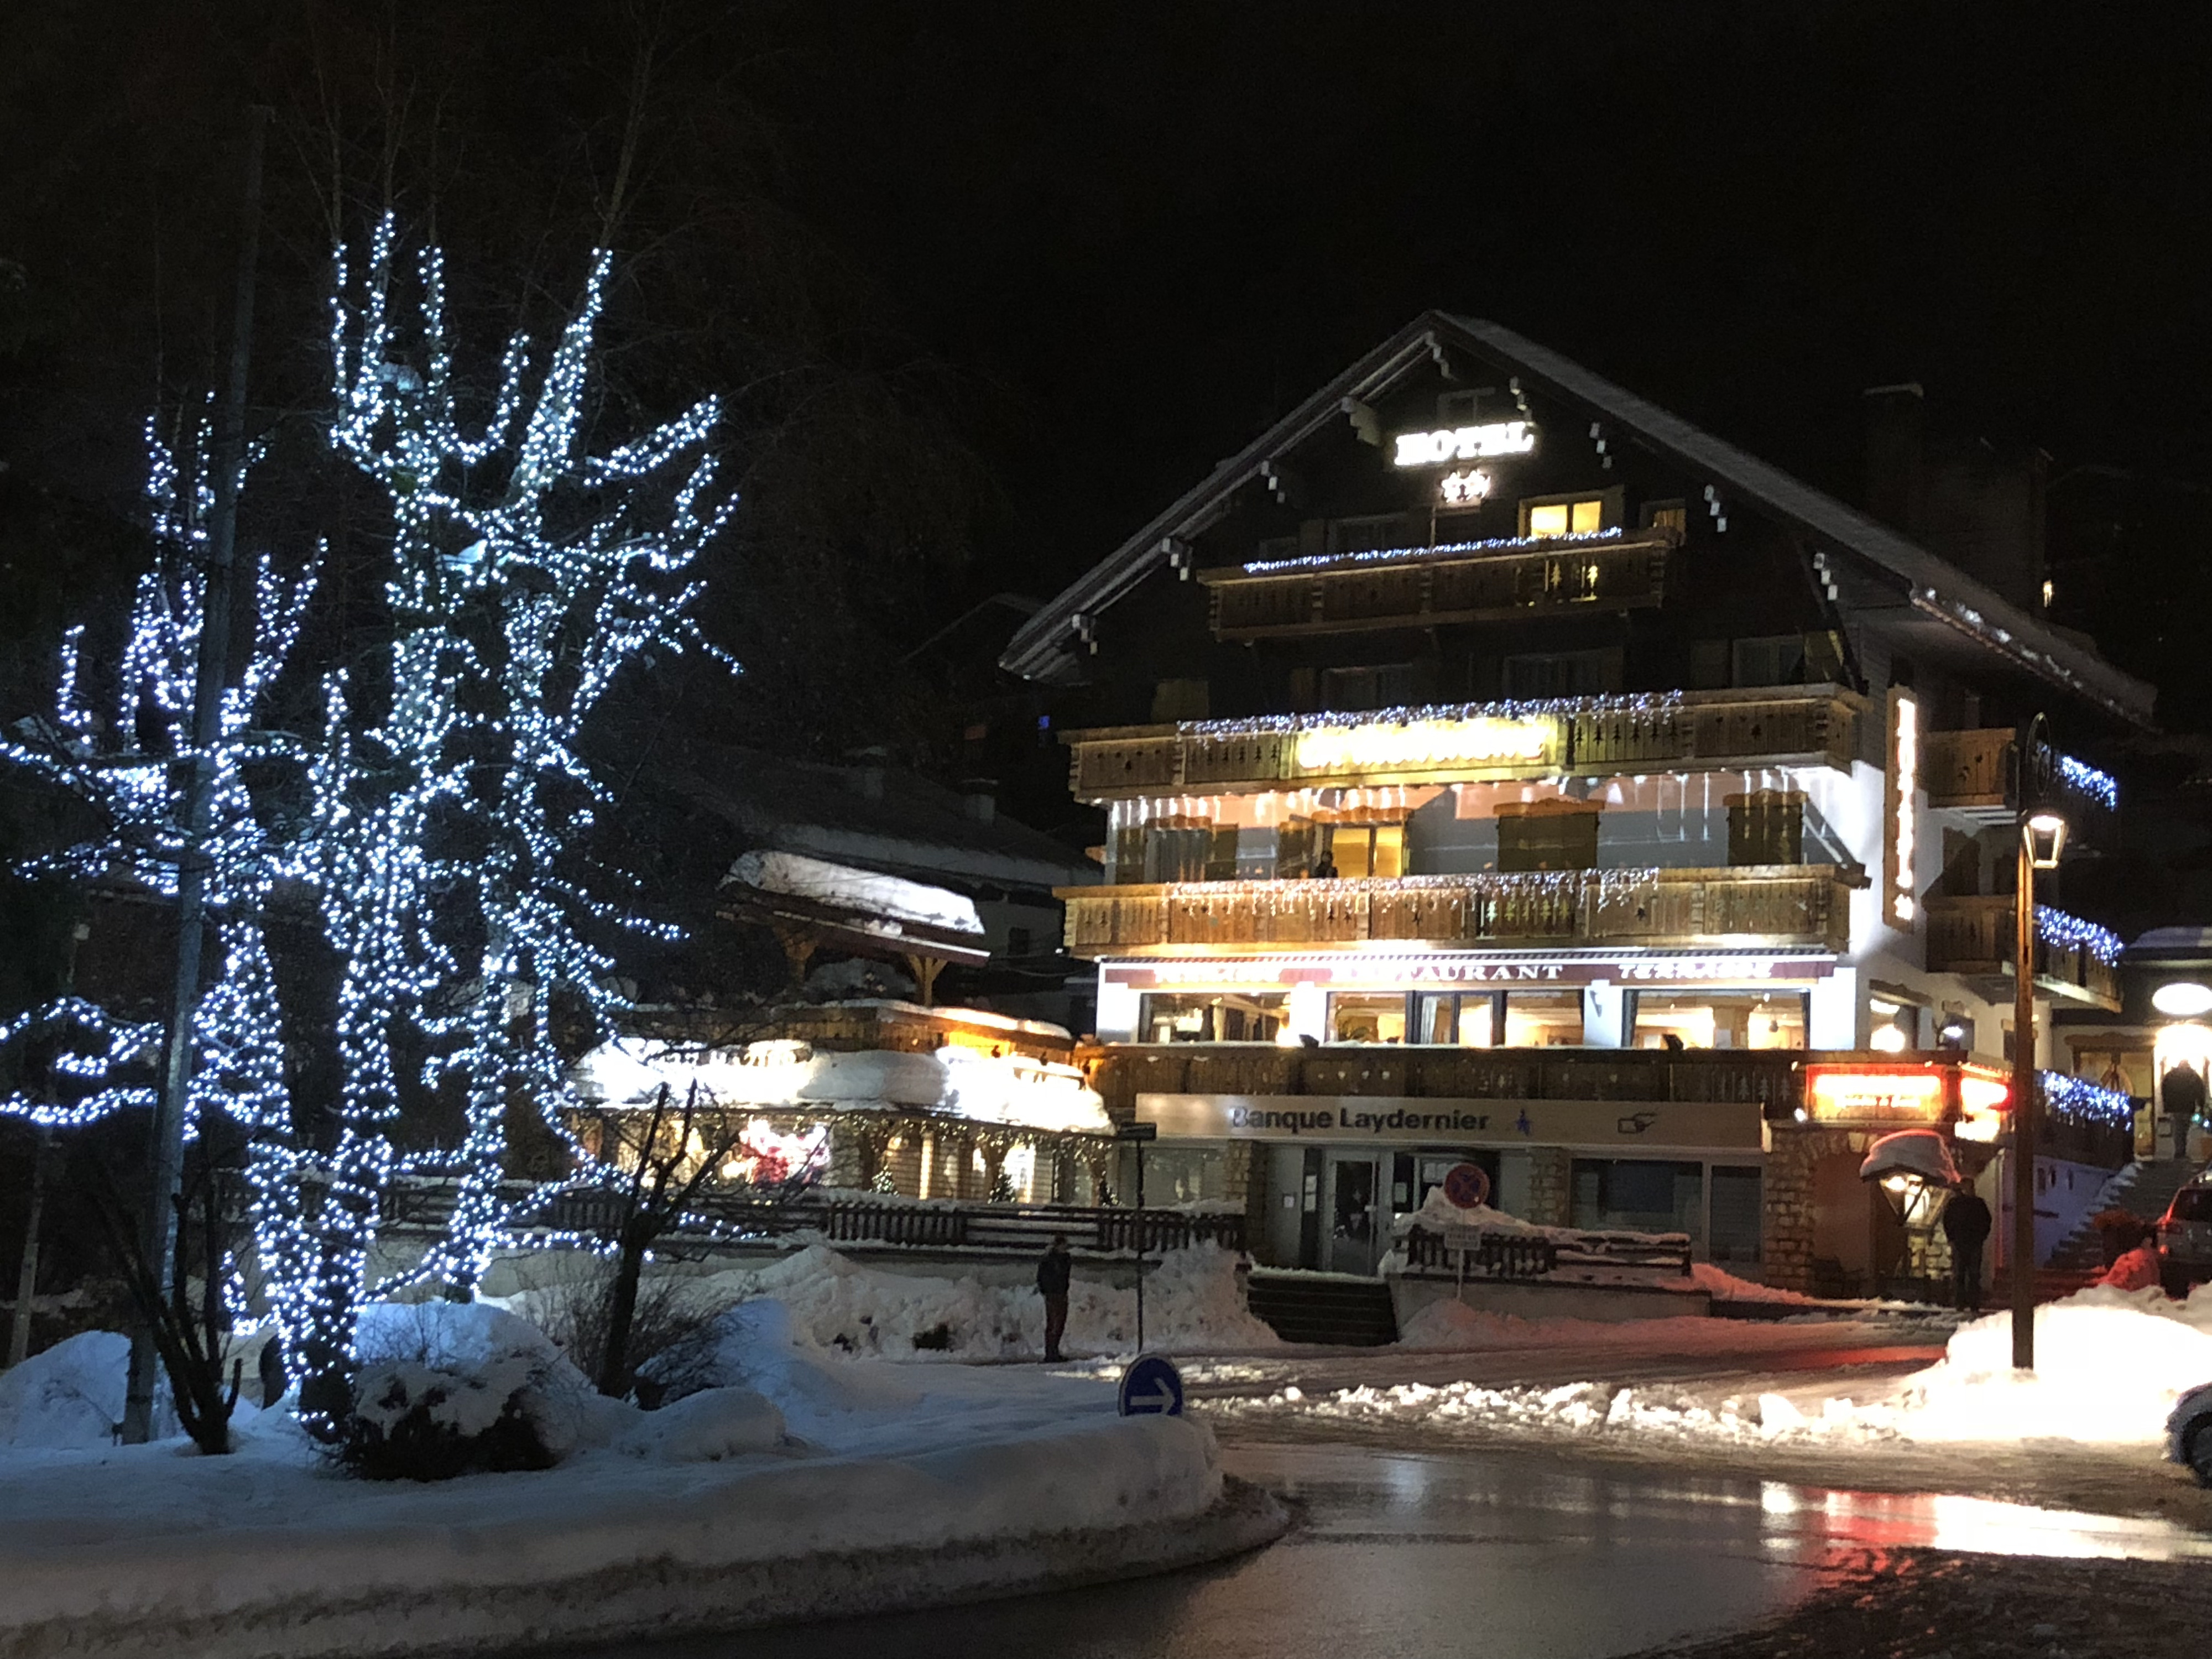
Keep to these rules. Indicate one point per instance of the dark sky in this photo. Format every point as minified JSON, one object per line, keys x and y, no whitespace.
{"x":1157,"y":226}
{"x":1115,"y":241}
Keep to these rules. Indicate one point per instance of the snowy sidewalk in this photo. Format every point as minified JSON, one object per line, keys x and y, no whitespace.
{"x":894,"y":1487}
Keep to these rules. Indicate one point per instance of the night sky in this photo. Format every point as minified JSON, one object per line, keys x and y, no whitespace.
{"x":1094,"y":250}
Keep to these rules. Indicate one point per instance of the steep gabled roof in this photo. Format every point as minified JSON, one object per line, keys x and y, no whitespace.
{"x":1911,"y":576}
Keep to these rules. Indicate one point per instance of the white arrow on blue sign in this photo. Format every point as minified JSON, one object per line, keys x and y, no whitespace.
{"x":1151,"y":1387}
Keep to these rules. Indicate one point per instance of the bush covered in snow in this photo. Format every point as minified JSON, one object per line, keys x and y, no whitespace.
{"x":448,"y":1389}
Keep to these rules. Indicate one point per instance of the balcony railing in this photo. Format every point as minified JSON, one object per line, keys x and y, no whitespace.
{"x":1694,"y":731}
{"x":1974,"y":936}
{"x":1801,"y":906}
{"x":1771,"y":1081}
{"x":1972,"y":772}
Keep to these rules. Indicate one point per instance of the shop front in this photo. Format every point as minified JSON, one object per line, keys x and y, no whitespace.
{"x":1328,"y":1173}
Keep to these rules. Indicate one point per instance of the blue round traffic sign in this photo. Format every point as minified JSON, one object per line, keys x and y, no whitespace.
{"x":1151,"y":1387}
{"x":1466,"y":1185}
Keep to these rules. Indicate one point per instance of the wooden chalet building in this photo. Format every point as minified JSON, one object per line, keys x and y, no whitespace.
{"x":1499,"y":768}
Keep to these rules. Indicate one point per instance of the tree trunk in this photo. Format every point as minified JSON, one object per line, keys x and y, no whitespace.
{"x":621,"y":1311}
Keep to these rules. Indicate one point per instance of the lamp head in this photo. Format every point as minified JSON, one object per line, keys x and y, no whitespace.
{"x":2046,"y":832}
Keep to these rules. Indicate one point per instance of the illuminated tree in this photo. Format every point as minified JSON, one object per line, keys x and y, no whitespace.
{"x":429,"y":824}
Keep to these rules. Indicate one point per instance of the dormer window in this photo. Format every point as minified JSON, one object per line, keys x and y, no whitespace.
{"x":1579,"y":514}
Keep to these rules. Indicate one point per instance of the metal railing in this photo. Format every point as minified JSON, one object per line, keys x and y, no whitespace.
{"x":1527,"y":1256}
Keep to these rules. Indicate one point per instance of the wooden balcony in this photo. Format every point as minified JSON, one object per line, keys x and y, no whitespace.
{"x":1759,"y":1079}
{"x":1971,"y":773}
{"x":1430,"y":587}
{"x":1784,"y":906}
{"x":1696,"y":731}
{"x":1973,"y":936}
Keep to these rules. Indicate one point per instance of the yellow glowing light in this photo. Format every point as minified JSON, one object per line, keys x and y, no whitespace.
{"x":1979,"y":1094}
{"x":1486,"y":739}
{"x":1884,"y":1097}
{"x":1887,"y":1040}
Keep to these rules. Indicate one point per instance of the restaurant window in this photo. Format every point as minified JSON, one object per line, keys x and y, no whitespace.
{"x":1367,"y":1019}
{"x":1565,"y":515}
{"x":1212,"y":1017}
{"x":1555,"y":834}
{"x":1766,"y":826}
{"x":1638,"y":1196}
{"x":1361,"y":850}
{"x":1463,"y":1020}
{"x":1720,"y":1019}
{"x":1385,"y":685}
{"x":1543,"y":1019}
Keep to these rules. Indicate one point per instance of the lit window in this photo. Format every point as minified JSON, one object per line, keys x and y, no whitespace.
{"x":1567,"y":518}
{"x":1361,"y":850}
{"x":1720,"y":1019}
{"x":1367,"y":1019}
{"x":1667,"y":516}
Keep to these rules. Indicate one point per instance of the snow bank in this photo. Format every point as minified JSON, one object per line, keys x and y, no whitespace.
{"x":911,"y":1486}
{"x":837,"y":1305}
{"x":892,"y":897}
{"x":1725,"y":1286}
{"x":2110,"y":1364}
{"x":71,"y":1395}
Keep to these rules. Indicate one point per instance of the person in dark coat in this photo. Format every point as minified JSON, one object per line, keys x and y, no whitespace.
{"x":2184,"y":1103}
{"x":1967,"y":1224}
{"x":1054,"y":1268}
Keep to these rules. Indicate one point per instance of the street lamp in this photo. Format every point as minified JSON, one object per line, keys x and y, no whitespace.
{"x":2042,"y":838}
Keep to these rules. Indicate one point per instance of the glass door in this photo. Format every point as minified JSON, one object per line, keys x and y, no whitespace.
{"x":1353,"y":1223}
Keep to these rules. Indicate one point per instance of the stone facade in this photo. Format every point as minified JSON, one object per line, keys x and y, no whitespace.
{"x":1551,"y":1189}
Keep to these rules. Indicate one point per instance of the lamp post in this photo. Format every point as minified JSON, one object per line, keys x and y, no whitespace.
{"x":2042,"y":837}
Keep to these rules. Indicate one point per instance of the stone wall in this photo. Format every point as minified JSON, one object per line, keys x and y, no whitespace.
{"x":1551,"y":1192}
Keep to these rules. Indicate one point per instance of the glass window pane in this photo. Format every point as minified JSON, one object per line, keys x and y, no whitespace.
{"x":1475,"y":1024}
{"x":1735,"y":1207}
{"x":1212,"y":1017}
{"x":1550,"y":519}
{"x":1367,"y":1019}
{"x":1720,"y":1019}
{"x":1389,"y":860}
{"x":1348,"y":850}
{"x":1543,"y":1019}
{"x":1587,"y":516}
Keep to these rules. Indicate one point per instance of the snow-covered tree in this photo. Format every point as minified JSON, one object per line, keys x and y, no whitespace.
{"x":431,"y":821}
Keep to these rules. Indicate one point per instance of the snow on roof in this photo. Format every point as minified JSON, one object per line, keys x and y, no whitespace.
{"x":864,"y":892}
{"x":1013,"y":1090}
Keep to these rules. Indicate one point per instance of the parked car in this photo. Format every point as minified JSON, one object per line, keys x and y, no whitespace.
{"x":2189,"y":1432}
{"x":2185,"y":1238}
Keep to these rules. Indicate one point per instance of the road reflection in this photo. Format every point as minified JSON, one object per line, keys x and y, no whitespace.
{"x":1503,"y":1555}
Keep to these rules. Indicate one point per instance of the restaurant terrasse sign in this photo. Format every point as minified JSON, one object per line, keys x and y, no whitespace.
{"x":1458,"y":1122}
{"x":1417,"y":972}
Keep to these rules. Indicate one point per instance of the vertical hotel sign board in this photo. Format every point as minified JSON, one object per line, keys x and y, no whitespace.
{"x":1900,"y":815}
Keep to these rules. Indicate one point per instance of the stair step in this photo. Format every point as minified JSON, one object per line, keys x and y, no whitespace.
{"x":1340,"y":1312}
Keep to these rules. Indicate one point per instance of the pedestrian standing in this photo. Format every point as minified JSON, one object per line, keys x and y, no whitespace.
{"x":2185,"y":1100}
{"x":1055,"y":1269}
{"x":1967,"y":1224}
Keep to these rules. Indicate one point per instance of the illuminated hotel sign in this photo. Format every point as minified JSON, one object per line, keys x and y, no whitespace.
{"x":1464,"y":489}
{"x":1463,"y":443}
{"x":1425,"y":745}
{"x":1900,"y":813}
{"x":1909,"y":1094}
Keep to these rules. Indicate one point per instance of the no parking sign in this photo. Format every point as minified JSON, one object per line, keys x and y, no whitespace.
{"x":1467,"y":1187}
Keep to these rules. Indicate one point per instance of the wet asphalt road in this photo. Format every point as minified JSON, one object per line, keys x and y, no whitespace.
{"x":1450,"y":1552}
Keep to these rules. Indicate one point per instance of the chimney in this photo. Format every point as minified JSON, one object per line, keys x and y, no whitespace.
{"x":979,"y":798}
{"x":1896,"y":488}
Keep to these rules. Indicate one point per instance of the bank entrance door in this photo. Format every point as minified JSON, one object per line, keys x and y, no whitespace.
{"x":1351,"y":1213}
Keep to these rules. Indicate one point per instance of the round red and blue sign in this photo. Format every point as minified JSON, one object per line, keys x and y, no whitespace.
{"x":1466,"y":1185}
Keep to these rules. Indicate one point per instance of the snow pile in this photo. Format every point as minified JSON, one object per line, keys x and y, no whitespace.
{"x":2110,"y":1364}
{"x":1725,"y":1286}
{"x":706,"y":1427}
{"x":833,"y":1303}
{"x":71,"y":1395}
